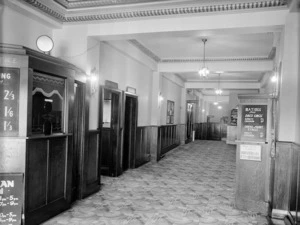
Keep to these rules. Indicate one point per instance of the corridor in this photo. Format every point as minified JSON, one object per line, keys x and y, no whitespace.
{"x":193,"y":184}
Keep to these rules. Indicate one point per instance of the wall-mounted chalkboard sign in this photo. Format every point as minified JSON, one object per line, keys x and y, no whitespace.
{"x":254,"y":122}
{"x":11,"y":198}
{"x":9,"y":101}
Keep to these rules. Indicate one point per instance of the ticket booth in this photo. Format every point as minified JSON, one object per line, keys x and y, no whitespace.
{"x":254,"y":158}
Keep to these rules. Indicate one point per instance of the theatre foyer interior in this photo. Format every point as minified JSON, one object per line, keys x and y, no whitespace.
{"x":140,"y":112}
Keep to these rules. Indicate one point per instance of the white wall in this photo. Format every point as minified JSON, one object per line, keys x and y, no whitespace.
{"x":170,"y":90}
{"x":15,"y":28}
{"x":218,"y":113}
{"x":119,"y":67}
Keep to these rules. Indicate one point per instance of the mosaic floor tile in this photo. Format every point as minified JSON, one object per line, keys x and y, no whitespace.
{"x":193,"y":184}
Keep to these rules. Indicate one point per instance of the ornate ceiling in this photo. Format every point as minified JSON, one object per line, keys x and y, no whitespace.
{"x":100,"y":10}
{"x":180,"y":46}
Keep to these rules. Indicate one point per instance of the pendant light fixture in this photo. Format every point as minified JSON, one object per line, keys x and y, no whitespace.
{"x":204,"y":71}
{"x":219,"y":90}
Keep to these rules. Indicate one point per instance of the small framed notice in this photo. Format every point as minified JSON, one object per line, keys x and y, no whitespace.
{"x":250,"y":152}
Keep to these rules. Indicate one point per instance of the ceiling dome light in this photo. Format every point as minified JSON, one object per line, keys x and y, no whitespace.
{"x":219,"y":107}
{"x":204,"y":71}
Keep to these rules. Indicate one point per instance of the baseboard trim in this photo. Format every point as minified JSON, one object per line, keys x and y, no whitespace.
{"x":279,"y":214}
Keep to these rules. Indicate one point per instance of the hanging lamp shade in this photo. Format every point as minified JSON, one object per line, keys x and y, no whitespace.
{"x":204,"y":71}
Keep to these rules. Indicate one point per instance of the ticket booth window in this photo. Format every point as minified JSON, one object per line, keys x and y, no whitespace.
{"x":47,"y":104}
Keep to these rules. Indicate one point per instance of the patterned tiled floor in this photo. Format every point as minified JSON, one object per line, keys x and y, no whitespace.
{"x":193,"y":184}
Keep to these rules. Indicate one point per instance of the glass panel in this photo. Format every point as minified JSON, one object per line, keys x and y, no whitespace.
{"x":47,"y":104}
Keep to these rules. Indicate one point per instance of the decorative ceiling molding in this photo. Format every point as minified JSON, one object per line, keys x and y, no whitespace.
{"x":157,"y":59}
{"x":258,"y":58}
{"x":145,"y":50}
{"x":116,"y":11}
{"x":100,"y":3}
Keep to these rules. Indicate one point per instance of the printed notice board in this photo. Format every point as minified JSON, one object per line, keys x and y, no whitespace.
{"x":254,"y":122}
{"x":9,"y":101}
{"x":250,"y":152}
{"x":11,"y":198}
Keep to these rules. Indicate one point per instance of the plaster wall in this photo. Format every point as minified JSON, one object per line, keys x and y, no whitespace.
{"x":18,"y":29}
{"x":218,"y":113}
{"x":119,"y":67}
{"x":289,"y":110}
{"x":71,"y":44}
{"x":170,"y":91}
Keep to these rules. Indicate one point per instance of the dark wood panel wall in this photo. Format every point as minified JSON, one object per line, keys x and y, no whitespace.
{"x":47,"y":183}
{"x":92,"y":163}
{"x":168,"y":138}
{"x":210,"y":131}
{"x":142,"y":148}
{"x":285,"y":179}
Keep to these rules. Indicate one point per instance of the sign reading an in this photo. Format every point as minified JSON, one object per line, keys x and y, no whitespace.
{"x":250,"y":152}
{"x":11,"y":199}
{"x":254,"y":122}
{"x":9,"y":101}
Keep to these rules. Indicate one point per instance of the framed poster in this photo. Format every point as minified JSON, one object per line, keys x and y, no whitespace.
{"x":170,"y":112}
{"x":254,"y":122}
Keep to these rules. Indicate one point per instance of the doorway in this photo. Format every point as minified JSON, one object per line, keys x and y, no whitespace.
{"x":130,"y":125}
{"x":190,"y":119}
{"x":111,"y":151}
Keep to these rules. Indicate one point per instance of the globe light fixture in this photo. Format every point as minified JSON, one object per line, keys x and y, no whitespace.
{"x":44,"y":43}
{"x":204,"y":71}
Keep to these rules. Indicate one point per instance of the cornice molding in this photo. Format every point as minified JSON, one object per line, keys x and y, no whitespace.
{"x":144,"y":12}
{"x":215,"y":59}
{"x":99,"y":3}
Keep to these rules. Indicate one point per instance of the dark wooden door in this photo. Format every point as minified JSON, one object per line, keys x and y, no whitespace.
{"x":110,"y":143}
{"x":130,"y":125}
{"x":78,"y":140}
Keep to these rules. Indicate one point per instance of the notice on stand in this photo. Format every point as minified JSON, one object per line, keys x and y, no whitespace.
{"x":9,"y":101}
{"x":254,"y":122}
{"x":250,"y":152}
{"x":11,"y":198}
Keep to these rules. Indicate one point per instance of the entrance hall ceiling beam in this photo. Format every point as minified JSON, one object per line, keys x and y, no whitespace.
{"x":214,"y":66}
{"x":205,"y":24}
{"x":224,"y":85}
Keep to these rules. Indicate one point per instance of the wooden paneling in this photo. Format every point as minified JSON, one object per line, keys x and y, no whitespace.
{"x":200,"y":131}
{"x":92,"y":156}
{"x":142,"y":150}
{"x":106,"y":153}
{"x":251,"y":189}
{"x":285,"y":180}
{"x":36,"y":174}
{"x":92,"y":165}
{"x":47,"y":188}
{"x":214,"y":131}
{"x":57,"y":169}
{"x":168,"y":138}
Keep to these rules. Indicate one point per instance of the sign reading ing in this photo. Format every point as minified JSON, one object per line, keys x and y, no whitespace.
{"x":9,"y":101}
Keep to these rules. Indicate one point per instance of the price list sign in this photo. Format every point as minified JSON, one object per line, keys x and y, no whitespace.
{"x":254,"y":122}
{"x":9,"y":101}
{"x":11,"y":199}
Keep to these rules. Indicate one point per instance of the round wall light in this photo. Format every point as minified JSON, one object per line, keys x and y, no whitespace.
{"x":44,"y":43}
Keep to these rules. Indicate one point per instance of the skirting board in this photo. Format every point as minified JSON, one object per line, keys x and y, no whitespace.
{"x":279,"y":214}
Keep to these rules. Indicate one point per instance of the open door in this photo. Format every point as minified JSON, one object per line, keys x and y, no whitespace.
{"x":130,"y":125}
{"x":111,"y":150}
